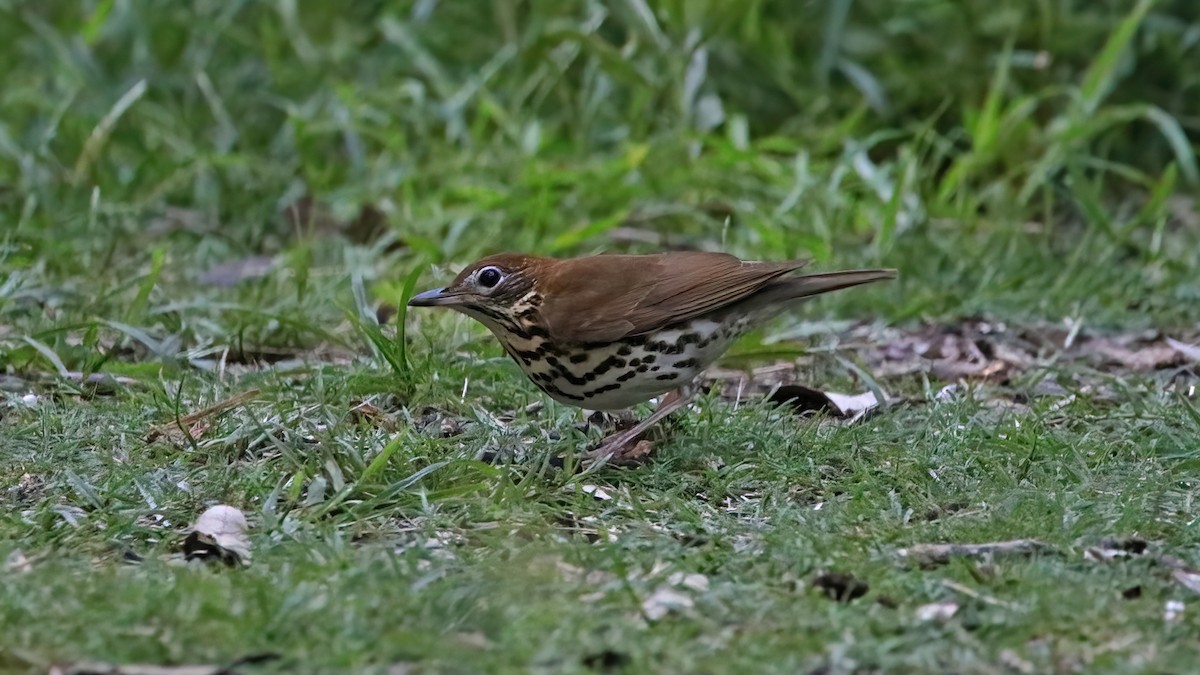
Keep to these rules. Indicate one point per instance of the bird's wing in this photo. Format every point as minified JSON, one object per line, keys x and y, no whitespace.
{"x":607,"y":297}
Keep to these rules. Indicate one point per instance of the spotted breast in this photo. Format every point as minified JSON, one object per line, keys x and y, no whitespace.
{"x":622,"y":373}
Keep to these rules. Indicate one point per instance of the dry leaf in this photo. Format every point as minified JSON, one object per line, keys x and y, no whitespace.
{"x":1140,"y":358}
{"x":219,"y":534}
{"x":373,"y":415}
{"x":953,"y":370}
{"x":847,"y":407}
{"x":596,"y":491}
{"x":637,"y":454}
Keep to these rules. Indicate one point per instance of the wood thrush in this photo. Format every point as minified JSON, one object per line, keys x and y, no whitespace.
{"x":606,"y":332}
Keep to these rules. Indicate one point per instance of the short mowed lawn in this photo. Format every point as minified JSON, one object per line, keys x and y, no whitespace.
{"x":212,"y":214}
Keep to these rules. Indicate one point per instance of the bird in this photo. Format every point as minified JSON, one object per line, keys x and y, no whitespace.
{"x":607,"y":332}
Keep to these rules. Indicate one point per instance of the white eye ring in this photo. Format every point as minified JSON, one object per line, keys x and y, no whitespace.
{"x":489,"y":277}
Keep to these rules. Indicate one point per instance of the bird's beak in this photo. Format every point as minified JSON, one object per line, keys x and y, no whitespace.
{"x":435,"y":298}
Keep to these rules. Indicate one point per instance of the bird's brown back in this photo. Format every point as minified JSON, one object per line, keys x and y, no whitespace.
{"x":606,"y":297}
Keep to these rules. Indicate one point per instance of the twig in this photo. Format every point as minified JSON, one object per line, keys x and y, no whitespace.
{"x":970,"y":592}
{"x":936,"y":554}
{"x":192,"y":418}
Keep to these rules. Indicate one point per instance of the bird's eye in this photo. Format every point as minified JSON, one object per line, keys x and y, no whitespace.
{"x":489,"y":277}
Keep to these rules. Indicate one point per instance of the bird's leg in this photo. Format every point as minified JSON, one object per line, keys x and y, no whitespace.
{"x":613,"y":446}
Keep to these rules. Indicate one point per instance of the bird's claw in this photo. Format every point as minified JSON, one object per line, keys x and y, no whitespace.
{"x":619,"y":452}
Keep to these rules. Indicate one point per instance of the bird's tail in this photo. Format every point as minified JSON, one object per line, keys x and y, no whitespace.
{"x":796,"y":288}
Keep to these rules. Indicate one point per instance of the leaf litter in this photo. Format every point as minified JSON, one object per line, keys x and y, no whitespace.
{"x":971,"y":352}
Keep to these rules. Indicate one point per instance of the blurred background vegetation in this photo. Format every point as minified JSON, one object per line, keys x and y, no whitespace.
{"x":1027,"y":158}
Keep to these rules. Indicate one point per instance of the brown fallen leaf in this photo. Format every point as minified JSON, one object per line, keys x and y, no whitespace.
{"x":1151,"y":356}
{"x":366,"y":412}
{"x":952,"y":370}
{"x":219,"y":534}
{"x":972,"y":350}
{"x":638,"y":454}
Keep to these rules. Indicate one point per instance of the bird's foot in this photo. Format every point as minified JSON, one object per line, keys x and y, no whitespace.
{"x":628,"y":447}
{"x":619,"y":450}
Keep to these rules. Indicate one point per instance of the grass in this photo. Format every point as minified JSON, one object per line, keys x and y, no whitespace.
{"x":1011,"y":169}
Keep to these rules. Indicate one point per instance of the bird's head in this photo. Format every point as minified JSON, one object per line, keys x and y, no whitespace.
{"x":488,"y":289}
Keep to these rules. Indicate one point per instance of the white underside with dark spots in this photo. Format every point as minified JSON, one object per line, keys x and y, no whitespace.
{"x":620,"y":374}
